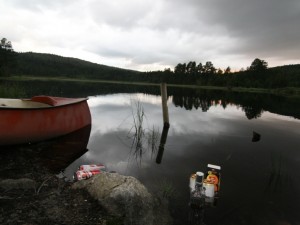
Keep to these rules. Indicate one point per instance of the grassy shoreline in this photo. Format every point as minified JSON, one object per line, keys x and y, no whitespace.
{"x":286,"y":91}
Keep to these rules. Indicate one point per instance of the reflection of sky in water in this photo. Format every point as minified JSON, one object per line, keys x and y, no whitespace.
{"x":195,"y":138}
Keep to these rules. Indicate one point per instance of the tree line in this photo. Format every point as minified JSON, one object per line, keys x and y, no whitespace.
{"x":7,"y":56}
{"x":208,"y":68}
{"x":257,"y":75}
{"x":192,"y":68}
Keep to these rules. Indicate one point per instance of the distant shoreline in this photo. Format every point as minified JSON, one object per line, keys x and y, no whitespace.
{"x":286,"y":91}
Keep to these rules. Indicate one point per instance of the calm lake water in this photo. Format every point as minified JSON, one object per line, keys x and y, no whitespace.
{"x":260,"y":180}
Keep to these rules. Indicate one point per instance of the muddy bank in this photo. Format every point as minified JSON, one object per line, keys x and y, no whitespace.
{"x":30,"y":193}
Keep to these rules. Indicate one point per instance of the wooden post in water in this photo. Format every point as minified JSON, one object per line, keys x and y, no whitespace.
{"x":164,"y":99}
{"x":164,"y":134}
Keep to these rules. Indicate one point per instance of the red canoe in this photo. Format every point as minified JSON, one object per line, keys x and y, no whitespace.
{"x":41,"y":118}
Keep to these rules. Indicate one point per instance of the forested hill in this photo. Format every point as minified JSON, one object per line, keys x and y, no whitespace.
{"x":287,"y":69}
{"x":258,"y":75}
{"x":39,"y":64}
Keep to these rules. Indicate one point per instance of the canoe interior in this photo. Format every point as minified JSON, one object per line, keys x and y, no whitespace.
{"x":21,"y":104}
{"x":37,"y":102}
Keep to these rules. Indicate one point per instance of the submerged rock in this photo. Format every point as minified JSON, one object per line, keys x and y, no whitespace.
{"x":126,"y":197}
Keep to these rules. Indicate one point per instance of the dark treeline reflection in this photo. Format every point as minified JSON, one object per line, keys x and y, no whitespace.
{"x":204,"y":99}
{"x":253,"y":104}
{"x":75,"y":89}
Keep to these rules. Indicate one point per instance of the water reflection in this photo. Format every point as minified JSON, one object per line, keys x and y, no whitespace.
{"x":137,"y":132}
{"x":219,"y":136}
{"x":205,"y":103}
{"x":253,"y":104}
{"x":19,"y":161}
{"x":59,"y":153}
{"x":162,"y":143}
{"x":142,"y":138}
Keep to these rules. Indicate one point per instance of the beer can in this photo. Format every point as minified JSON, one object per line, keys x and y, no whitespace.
{"x":83,"y":175}
{"x":92,"y":167}
{"x":209,"y":189}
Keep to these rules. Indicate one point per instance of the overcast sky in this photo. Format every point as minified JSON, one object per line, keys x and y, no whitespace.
{"x":149,"y":35}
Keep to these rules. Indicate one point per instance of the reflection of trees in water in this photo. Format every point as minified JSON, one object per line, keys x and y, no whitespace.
{"x":191,"y":102}
{"x":205,"y":99}
{"x":252,"y":112}
{"x":252,"y":103}
{"x":78,"y":89}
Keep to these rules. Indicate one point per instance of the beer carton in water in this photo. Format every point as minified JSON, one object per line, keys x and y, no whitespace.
{"x":213,"y":176}
{"x":92,"y":167}
{"x":83,"y":175}
{"x":87,"y":171}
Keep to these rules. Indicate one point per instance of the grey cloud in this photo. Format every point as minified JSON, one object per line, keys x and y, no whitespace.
{"x":121,"y":14}
{"x":163,"y":32}
{"x":112,"y":52}
{"x":37,"y":5}
{"x":263,"y":26}
{"x":259,"y":27}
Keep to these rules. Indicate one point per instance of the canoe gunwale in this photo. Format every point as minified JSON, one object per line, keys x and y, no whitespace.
{"x":42,"y":105}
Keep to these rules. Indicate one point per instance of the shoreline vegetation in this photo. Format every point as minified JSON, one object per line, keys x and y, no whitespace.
{"x":257,"y":78}
{"x":284,"y":91}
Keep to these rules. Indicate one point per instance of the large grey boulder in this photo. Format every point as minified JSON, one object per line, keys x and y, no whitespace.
{"x":125,"y":196}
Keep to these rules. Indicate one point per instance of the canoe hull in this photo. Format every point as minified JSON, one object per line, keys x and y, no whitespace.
{"x":18,"y":126}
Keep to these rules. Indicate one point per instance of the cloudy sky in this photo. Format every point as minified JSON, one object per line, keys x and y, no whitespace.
{"x":156,"y":34}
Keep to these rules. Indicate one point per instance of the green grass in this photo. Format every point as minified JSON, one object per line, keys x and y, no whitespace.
{"x":167,"y":189}
{"x":137,"y":131}
{"x":142,"y":138}
{"x":288,"y":91}
{"x":63,"y":79}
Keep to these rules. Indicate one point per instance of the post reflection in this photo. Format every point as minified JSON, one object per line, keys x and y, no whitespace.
{"x":163,"y":141}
